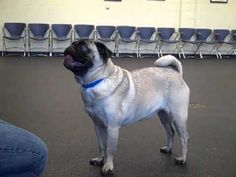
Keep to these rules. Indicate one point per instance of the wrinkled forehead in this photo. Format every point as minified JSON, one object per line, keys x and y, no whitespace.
{"x":84,"y":42}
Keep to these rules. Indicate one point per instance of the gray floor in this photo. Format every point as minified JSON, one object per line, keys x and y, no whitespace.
{"x":38,"y":94}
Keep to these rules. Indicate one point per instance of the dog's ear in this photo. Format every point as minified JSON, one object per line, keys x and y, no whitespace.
{"x":104,"y":52}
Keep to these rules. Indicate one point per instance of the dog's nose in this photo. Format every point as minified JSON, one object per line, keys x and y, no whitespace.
{"x":82,"y":46}
{"x":68,"y":60}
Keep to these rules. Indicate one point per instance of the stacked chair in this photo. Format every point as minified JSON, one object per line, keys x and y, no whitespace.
{"x":168,"y":40}
{"x":14,"y":37}
{"x":204,"y":40}
{"x":233,"y":43}
{"x":50,"y":40}
{"x":39,"y":39}
{"x":107,"y":35}
{"x":127,"y":41}
{"x":188,"y":41}
{"x":147,"y":41}
{"x":61,"y":36}
{"x":222,"y":38}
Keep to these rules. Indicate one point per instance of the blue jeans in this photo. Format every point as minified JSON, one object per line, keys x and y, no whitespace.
{"x":22,"y":154}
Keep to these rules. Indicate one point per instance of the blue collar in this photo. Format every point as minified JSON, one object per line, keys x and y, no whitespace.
{"x":93,"y":84}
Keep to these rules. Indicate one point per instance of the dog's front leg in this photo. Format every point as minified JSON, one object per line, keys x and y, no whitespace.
{"x":101,"y":136}
{"x":112,"y":138}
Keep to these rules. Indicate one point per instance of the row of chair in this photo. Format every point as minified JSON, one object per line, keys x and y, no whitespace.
{"x":120,"y":39}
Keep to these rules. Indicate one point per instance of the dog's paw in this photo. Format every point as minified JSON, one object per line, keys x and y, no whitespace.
{"x":180,"y":161}
{"x":97,"y":162}
{"x":107,"y":173}
{"x":165,"y":150}
{"x":107,"y":170}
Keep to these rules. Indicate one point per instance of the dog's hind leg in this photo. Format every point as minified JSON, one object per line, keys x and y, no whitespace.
{"x":178,"y":107}
{"x":166,"y":121}
{"x":180,"y":123}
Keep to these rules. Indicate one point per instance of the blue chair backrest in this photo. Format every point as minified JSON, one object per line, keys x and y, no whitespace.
{"x":203,"y":34}
{"x":126,"y":31}
{"x":165,"y":33}
{"x":15,"y":29}
{"x":221,"y":34}
{"x":105,"y":31}
{"x":83,"y":30}
{"x":186,"y":33}
{"x":61,"y":30}
{"x":38,"y":29}
{"x":146,"y":32}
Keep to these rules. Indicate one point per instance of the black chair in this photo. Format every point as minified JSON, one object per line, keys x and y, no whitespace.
{"x":127,"y":40}
{"x":204,"y":39}
{"x":39,"y":38}
{"x":222,"y":38}
{"x":83,"y":31}
{"x":168,"y":40}
{"x":14,"y":37}
{"x":147,"y":40}
{"x":61,"y":37}
{"x":188,"y":40}
{"x":107,"y":35}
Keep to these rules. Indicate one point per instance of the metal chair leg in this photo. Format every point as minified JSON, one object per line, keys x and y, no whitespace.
{"x":200,"y":53}
{"x":182,"y":51}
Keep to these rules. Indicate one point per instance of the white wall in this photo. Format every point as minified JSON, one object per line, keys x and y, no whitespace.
{"x":128,"y":12}
{"x":171,"y":13}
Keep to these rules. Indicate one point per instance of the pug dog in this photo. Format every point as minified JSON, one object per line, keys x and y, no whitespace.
{"x":114,"y":97}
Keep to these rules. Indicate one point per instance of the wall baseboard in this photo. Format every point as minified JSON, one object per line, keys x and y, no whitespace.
{"x":121,"y":55}
{"x":33,"y":54}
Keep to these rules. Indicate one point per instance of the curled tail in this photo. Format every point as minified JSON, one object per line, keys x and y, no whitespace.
{"x":169,"y":61}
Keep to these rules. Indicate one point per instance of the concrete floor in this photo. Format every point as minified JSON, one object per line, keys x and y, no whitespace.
{"x":39,"y":95}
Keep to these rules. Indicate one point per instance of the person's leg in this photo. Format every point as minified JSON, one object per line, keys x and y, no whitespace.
{"x":21,"y":153}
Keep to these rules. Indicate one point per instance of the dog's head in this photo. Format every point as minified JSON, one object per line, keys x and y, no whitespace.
{"x":83,"y":55}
